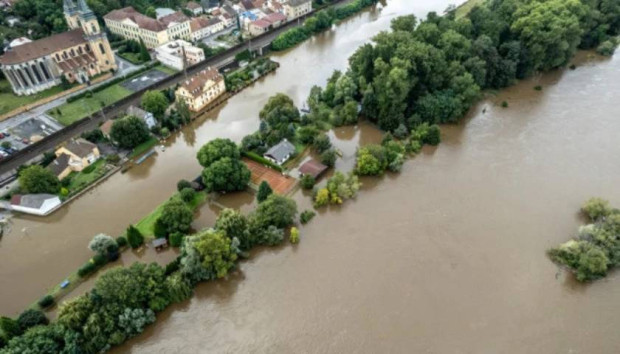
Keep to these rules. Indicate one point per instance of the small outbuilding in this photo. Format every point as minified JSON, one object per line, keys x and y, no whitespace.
{"x":312,"y":168}
{"x":35,"y":204}
{"x":281,"y":152}
{"x":160,"y":244}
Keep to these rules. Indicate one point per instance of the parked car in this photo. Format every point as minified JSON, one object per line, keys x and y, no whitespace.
{"x":2,"y":135}
{"x":7,"y":134}
{"x":26,"y":141}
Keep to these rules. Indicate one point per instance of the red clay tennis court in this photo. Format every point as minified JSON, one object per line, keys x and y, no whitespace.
{"x":278,"y":182}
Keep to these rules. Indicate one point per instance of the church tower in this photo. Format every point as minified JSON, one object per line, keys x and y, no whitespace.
{"x":97,"y":39}
{"x":71,"y":14}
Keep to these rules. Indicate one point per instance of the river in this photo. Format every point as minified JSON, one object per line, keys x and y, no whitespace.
{"x":446,"y":257}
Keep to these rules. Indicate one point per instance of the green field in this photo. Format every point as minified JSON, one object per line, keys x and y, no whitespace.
{"x":147,"y":224}
{"x":10,"y":101}
{"x":134,"y":58}
{"x":166,"y":69}
{"x":74,"y":111}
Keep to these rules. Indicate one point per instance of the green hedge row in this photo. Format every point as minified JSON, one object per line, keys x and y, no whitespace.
{"x":256,"y":157}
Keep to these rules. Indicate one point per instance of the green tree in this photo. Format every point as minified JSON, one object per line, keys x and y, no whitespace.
{"x":596,"y":208}
{"x":155,"y":102}
{"x":217,"y":149}
{"x":294,"y":237}
{"x":9,"y":328}
{"x":103,"y":244}
{"x":179,"y":289}
{"x":235,"y":225}
{"x":134,"y":237}
{"x":226,"y":175}
{"x":129,"y":132}
{"x":264,"y":191}
{"x":207,"y":255}
{"x":176,"y":216}
{"x":592,"y":264}
{"x":372,"y":160}
{"x":188,"y":194}
{"x":31,"y":318}
{"x":144,"y":53}
{"x":276,"y":211}
{"x":36,"y":179}
{"x":307,"y":182}
{"x":404,"y":23}
{"x":279,"y":111}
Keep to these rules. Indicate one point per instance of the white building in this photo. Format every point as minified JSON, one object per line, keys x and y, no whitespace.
{"x":35,"y":204}
{"x":202,"y":27}
{"x":179,"y":54}
{"x":147,"y":117}
{"x":297,"y":8}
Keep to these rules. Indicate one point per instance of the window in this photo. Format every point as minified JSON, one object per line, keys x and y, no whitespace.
{"x":57,"y":57}
{"x":93,"y":28}
{"x":44,"y":70}
{"x":80,"y":50}
{"x":72,"y":52}
{"x":101,"y":48}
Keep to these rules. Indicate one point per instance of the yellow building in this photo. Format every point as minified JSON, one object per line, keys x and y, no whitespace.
{"x":77,"y":54}
{"x":297,"y":8}
{"x":130,"y":24}
{"x":76,"y":155}
{"x":201,"y":89}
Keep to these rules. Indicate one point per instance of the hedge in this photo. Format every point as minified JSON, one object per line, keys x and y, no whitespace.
{"x":46,"y":301}
{"x":256,"y":157}
{"x":86,"y":269}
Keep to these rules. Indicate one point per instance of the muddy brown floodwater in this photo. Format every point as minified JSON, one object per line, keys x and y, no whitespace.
{"x":446,"y":257}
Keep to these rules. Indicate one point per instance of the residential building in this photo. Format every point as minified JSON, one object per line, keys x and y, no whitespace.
{"x":76,"y":55}
{"x":201,"y":89}
{"x":163,"y":11}
{"x":130,"y":24}
{"x":147,"y":117}
{"x":312,"y":168}
{"x":76,"y":155}
{"x":179,"y":54}
{"x":297,"y":8}
{"x":280,"y":153}
{"x":194,"y":7}
{"x":202,"y":27}
{"x":36,"y":204}
{"x":273,"y":20}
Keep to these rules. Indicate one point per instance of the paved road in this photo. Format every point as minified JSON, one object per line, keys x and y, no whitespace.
{"x":94,"y":121}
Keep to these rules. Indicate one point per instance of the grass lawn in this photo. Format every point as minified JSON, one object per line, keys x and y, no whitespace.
{"x":464,"y":9}
{"x":142,"y":148}
{"x":80,"y":180}
{"x":134,"y":58}
{"x":10,"y":101}
{"x":147,"y":224}
{"x":166,"y":69}
{"x":74,"y":111}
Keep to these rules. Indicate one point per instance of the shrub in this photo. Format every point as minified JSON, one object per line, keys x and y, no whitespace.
{"x":88,"y":169}
{"x":100,"y":260}
{"x":31,"y":318}
{"x":264,"y":191}
{"x":307,"y":182}
{"x":188,"y":194}
{"x":328,"y":157}
{"x":538,"y":88}
{"x":121,"y":241}
{"x":596,"y":208}
{"x":306,"y":216}
{"x":103,"y":244}
{"x":504,"y":104}
{"x":46,"y":301}
{"x":134,"y":237}
{"x":607,"y":48}
{"x":182,"y":184}
{"x":176,"y":239}
{"x":322,"y":198}
{"x":294,"y":237}
{"x":64,"y":191}
{"x":86,"y":269}
{"x":322,"y":143}
{"x":113,"y":159}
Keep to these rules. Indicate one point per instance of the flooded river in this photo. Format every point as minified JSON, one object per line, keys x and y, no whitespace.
{"x":446,"y":257}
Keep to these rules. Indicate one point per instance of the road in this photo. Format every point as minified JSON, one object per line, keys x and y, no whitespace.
{"x":93,"y":121}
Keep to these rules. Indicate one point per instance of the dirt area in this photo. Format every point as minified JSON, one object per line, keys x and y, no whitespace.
{"x":279,"y":183}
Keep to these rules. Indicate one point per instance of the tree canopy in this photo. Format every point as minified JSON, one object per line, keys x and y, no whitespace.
{"x":37,"y":179}
{"x":129,"y":132}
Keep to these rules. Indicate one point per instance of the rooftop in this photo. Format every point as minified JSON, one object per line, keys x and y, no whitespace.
{"x":281,"y":151}
{"x":80,"y":147}
{"x":34,"y":201}
{"x":312,"y":168}
{"x":59,"y":164}
{"x":42,"y":47}
{"x":193,"y":5}
{"x":196,"y":83}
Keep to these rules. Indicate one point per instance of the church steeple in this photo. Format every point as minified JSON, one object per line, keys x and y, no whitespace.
{"x":85,"y":12}
{"x":69,"y":7}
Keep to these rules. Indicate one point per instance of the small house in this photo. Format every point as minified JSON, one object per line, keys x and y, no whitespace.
{"x":281,"y":152}
{"x":194,"y":7}
{"x":312,"y":168}
{"x":76,"y":155}
{"x":35,"y":204}
{"x":147,"y":117}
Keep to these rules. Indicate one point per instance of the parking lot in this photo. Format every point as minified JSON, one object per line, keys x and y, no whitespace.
{"x":148,"y":78}
{"x":29,"y":131}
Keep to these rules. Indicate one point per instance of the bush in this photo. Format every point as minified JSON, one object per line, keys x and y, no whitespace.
{"x":100,"y":260}
{"x":87,"y":269}
{"x":504,"y":104}
{"x":182,"y":184}
{"x":46,"y":301}
{"x":607,"y":48}
{"x":88,"y":169}
{"x":329,"y":157}
{"x":31,"y":318}
{"x":264,"y":191}
{"x":176,"y":239}
{"x":307,"y":182}
{"x":306,"y":216}
{"x":121,"y":241}
{"x":294,"y":237}
{"x":596,"y":208}
{"x":188,"y":194}
{"x":113,"y":159}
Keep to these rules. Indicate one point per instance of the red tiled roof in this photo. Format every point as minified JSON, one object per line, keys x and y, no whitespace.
{"x":261,"y":23}
{"x":195,"y":84}
{"x":193,"y":5}
{"x":43,"y":47}
{"x":313,"y":168}
{"x":275,"y":17}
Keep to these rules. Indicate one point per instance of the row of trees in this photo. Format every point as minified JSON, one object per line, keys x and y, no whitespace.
{"x":318,"y":23}
{"x":597,"y":246}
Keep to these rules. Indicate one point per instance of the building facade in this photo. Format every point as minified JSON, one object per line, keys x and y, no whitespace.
{"x":130,"y":24}
{"x":201,"y":89}
{"x":203,"y":27}
{"x":76,"y":55}
{"x":179,"y":54}
{"x":297,"y":8}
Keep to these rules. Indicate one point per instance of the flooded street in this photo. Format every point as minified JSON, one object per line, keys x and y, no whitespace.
{"x":446,"y":257}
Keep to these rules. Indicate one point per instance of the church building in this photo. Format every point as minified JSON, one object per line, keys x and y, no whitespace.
{"x":78,"y":54}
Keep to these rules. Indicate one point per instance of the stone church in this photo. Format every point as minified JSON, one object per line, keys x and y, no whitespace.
{"x":78,"y":54}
